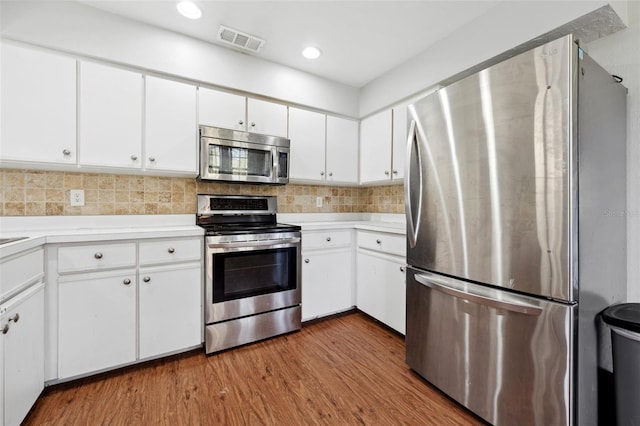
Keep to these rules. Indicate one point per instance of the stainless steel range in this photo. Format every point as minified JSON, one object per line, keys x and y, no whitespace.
{"x":252,"y":271}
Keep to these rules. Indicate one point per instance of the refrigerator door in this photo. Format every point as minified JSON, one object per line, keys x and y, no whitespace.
{"x":489,"y":175}
{"x":505,"y":357}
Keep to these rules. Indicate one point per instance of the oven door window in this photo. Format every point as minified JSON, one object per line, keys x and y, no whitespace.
{"x":227,"y":160}
{"x":251,"y":273}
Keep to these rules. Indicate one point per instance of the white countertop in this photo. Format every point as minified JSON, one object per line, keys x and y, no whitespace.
{"x":380,"y":222}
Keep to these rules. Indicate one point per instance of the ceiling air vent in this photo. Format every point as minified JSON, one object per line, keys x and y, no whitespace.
{"x":239,"y":39}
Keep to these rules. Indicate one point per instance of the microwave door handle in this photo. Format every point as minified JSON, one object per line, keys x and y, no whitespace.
{"x":412,"y":225}
{"x":444,"y":286}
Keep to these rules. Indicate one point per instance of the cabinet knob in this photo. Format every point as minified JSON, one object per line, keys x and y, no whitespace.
{"x":378,"y":242}
{"x":386,"y":172}
{"x":330,"y":173}
{"x":402,"y":269}
{"x":306,"y":261}
{"x":134,"y":158}
{"x":66,"y":152}
{"x":146,"y":279}
{"x":15,"y":318}
{"x":395,"y":172}
{"x":152,"y":159}
{"x":328,"y":238}
{"x":98,"y":255}
{"x":126,"y":281}
{"x":321,"y":173}
{"x":253,"y":124}
{"x":5,"y":329}
{"x":171,"y":250}
{"x":241,"y":122}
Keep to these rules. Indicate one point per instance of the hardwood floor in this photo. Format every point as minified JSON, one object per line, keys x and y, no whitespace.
{"x":346,"y":370}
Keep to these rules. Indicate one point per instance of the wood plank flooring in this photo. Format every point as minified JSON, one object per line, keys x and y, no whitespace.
{"x":346,"y":370}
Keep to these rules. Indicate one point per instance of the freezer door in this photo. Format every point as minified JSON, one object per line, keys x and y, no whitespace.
{"x":505,"y":357}
{"x":489,"y":175}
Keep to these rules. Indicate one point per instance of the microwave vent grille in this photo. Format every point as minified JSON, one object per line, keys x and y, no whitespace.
{"x":240,"y":40}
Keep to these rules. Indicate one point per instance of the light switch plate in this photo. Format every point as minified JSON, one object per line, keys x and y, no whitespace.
{"x":318,"y":201}
{"x":76,"y":196}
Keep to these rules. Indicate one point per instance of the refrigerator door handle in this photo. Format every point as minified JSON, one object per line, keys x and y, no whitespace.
{"x":412,"y":226}
{"x":445,"y":286}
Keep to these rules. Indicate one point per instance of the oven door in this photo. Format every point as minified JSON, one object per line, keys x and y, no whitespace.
{"x":236,"y":161}
{"x":249,"y":277}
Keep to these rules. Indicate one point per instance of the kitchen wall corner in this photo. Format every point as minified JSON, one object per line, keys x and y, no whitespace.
{"x":46,"y":193}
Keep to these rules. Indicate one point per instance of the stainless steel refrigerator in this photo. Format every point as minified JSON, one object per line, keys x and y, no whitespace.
{"x":516,"y":234}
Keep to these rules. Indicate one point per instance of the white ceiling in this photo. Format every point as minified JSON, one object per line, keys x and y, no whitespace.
{"x":360,"y":40}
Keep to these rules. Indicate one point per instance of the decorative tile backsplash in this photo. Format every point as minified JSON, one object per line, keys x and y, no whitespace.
{"x":46,"y":193}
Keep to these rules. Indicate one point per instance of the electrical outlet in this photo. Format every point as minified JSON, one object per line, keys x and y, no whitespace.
{"x":318,"y":201}
{"x":76,"y":196}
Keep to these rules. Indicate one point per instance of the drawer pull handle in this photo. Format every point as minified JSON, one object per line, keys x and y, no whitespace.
{"x":402,"y":269}
{"x":5,"y":329}
{"x":306,"y":261}
{"x":134,"y":158}
{"x":126,"y":281}
{"x":386,"y":172}
{"x":152,"y":159}
{"x":146,"y":279}
{"x":15,"y":318}
{"x":378,"y":242}
{"x":241,"y":122}
{"x":328,"y":239}
{"x":98,"y":255}
{"x":171,"y":250}
{"x":66,"y":152}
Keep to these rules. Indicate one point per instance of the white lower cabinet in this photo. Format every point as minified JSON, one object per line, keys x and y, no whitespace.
{"x":327,"y":273}
{"x":97,"y":321}
{"x":21,"y":354}
{"x":108,"y":318}
{"x":381,"y":289}
{"x":170,"y":300}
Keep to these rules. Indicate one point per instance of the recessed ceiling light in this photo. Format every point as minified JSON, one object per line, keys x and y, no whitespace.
{"x":189,"y":10}
{"x":311,"y":52}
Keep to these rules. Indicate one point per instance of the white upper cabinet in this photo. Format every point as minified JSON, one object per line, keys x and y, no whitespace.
{"x":375,"y":147}
{"x":266,"y":117}
{"x":307,"y":135}
{"x":342,"y":150}
{"x":221,"y":109}
{"x":400,"y":130}
{"x":171,"y":138}
{"x":110,"y":116}
{"x":38,"y":106}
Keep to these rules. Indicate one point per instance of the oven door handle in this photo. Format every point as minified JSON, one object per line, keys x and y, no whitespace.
{"x":256,"y":245}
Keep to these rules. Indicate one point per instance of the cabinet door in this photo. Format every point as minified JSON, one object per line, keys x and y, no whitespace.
{"x":170,"y":309}
{"x":381,"y":290}
{"x":342,"y":150}
{"x":97,"y":322}
{"x":375,"y":148}
{"x":171,"y":138}
{"x":38,"y":106}
{"x":327,"y":285}
{"x":110,"y":116}
{"x":23,"y":354}
{"x":307,"y":134}
{"x":266,"y":117}
{"x":221,"y":109}
{"x":399,"y":141}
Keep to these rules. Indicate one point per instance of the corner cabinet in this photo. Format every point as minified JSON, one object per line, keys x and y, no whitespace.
{"x":381,"y":289}
{"x":324,"y":149}
{"x":120,"y":302}
{"x":38,"y":107}
{"x":327,"y":272}
{"x":383,"y":139}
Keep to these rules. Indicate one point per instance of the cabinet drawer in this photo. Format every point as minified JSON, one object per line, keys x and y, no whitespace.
{"x":96,"y":256}
{"x":325,"y":239}
{"x":19,"y":271}
{"x":167,"y":251}
{"x":383,"y":242}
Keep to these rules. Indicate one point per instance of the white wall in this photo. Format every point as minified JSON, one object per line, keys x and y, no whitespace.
{"x":620,"y":55}
{"x":79,"y":29}
{"x":504,"y":27}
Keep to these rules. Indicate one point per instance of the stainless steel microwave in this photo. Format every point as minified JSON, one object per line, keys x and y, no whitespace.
{"x":232,"y":155}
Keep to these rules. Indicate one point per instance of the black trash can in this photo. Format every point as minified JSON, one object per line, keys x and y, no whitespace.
{"x":624,"y":321}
